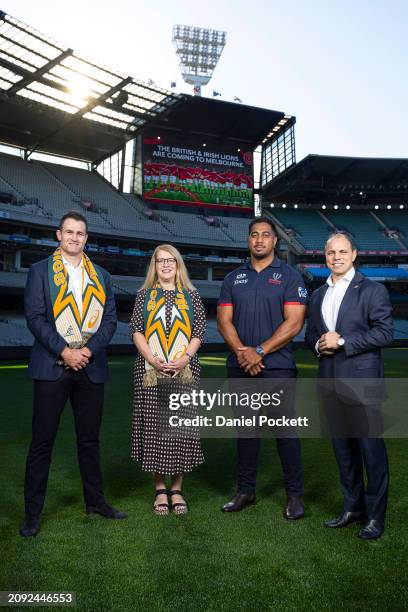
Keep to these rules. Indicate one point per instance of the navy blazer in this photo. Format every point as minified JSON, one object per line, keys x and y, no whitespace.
{"x":364,"y":321}
{"x":48,"y":344}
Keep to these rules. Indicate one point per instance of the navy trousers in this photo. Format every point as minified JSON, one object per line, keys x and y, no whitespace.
{"x":352,"y":456}
{"x":248,"y":448}
{"x":50,"y":398}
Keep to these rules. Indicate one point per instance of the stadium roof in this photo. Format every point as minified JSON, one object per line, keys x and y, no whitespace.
{"x":323,"y":177}
{"x":223,"y":120}
{"x":54,"y":100}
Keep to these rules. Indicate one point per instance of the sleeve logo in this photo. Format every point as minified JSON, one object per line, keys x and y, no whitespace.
{"x":302,"y":292}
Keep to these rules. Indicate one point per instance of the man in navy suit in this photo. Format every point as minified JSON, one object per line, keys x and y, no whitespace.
{"x":350,"y":321}
{"x":68,"y":284}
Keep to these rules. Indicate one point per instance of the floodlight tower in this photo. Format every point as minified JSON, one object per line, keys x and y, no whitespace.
{"x":198,"y":50}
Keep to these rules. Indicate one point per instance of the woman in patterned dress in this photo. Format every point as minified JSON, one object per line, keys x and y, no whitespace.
{"x":168,"y":326}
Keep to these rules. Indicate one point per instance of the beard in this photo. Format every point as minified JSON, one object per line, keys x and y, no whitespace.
{"x":260,"y":256}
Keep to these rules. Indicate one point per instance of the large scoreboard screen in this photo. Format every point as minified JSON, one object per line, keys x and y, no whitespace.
{"x":181,"y":172}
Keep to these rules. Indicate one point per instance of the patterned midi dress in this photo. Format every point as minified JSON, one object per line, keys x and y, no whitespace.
{"x":157,"y":452}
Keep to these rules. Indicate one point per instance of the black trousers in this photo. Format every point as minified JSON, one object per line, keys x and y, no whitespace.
{"x":248,"y":448}
{"x":50,"y":398}
{"x":352,"y":456}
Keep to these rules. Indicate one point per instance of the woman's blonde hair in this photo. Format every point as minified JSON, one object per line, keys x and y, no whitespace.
{"x":182,"y":276}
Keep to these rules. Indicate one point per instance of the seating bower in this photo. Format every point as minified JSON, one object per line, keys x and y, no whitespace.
{"x":311,"y":230}
{"x":31,"y":180}
{"x":396,"y":220}
{"x":367,"y":233}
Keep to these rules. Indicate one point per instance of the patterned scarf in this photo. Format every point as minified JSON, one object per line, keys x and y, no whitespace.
{"x":74,"y":327}
{"x":168,"y":344}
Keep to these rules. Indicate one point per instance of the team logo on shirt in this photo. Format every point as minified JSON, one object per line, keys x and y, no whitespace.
{"x":275,"y":279}
{"x":240,"y":281}
{"x":302,"y":292}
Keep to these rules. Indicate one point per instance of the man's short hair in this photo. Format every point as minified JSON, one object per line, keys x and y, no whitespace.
{"x":73,"y":214}
{"x":262,"y":220}
{"x":345,"y":235}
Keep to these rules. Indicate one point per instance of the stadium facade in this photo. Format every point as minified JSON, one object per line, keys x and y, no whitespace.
{"x":146,"y":165}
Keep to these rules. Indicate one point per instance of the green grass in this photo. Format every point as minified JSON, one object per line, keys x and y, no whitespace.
{"x":205,"y":560}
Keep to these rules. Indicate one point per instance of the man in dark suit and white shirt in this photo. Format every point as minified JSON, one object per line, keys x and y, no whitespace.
{"x":350,"y":320}
{"x":70,"y":310}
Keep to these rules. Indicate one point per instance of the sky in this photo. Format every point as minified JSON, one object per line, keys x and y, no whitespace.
{"x":339,"y":66}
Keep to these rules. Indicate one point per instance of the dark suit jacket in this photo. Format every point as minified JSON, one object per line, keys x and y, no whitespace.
{"x":48,"y":344}
{"x":365,"y":322}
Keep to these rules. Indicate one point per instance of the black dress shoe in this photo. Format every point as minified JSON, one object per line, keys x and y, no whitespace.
{"x":107,"y":511}
{"x":294,"y":508}
{"x":30,"y":527}
{"x":239,"y":502}
{"x":347,"y":518}
{"x":372,"y":530}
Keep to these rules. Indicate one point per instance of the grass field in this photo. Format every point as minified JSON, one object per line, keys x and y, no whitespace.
{"x":206,"y":560}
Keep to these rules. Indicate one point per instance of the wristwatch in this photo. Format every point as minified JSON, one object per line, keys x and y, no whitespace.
{"x":341,"y":341}
{"x":260,"y":350}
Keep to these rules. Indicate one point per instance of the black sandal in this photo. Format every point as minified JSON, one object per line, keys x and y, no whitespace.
{"x":179,"y":507}
{"x":161,"y":509}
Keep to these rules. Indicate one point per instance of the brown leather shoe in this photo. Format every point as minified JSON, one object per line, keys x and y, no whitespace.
{"x":239,"y":502}
{"x":294,"y":508}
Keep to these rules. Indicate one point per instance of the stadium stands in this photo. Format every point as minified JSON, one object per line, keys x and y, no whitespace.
{"x":311,"y":230}
{"x":122,"y":285}
{"x":50,"y":190}
{"x":367,"y":233}
{"x":14,"y":332}
{"x":194,"y":226}
{"x":396,"y":221}
{"x":32,"y":181}
{"x":237,"y":229}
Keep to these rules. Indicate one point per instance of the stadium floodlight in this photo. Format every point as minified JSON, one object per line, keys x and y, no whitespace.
{"x":198,"y":50}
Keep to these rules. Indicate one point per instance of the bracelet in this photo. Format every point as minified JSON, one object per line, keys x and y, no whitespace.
{"x":188,"y":355}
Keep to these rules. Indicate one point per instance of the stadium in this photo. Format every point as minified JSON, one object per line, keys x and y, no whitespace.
{"x":145,"y":166}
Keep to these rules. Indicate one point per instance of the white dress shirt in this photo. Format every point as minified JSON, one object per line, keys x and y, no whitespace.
{"x":76,"y":281}
{"x":333,"y":298}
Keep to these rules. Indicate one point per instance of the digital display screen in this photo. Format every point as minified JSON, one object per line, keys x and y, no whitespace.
{"x":190,"y":175}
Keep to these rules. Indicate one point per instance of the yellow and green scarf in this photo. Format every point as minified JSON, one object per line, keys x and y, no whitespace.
{"x":168,"y":344}
{"x":75,"y":327}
